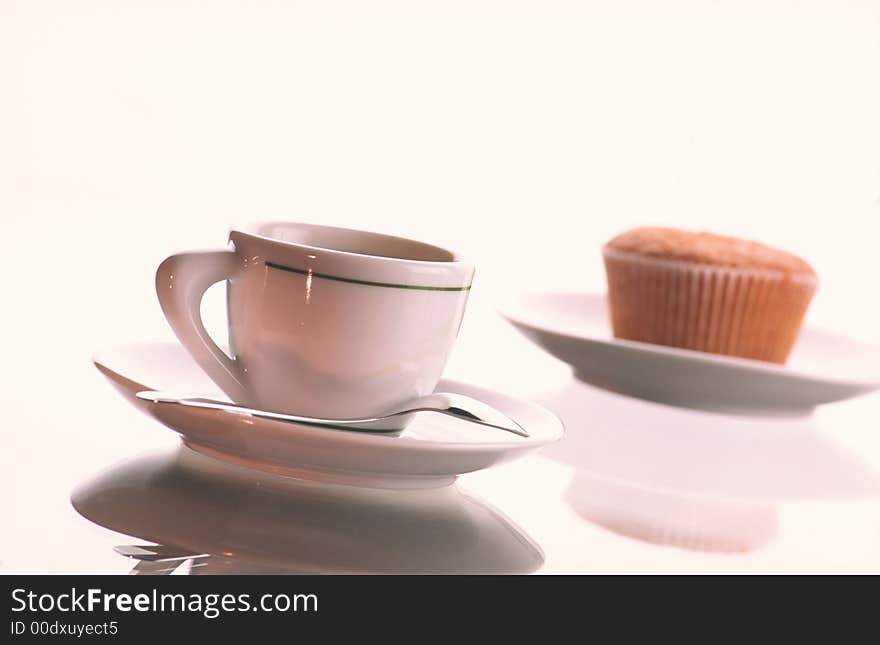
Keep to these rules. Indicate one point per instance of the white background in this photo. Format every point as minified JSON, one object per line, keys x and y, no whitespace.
{"x":523,"y":133}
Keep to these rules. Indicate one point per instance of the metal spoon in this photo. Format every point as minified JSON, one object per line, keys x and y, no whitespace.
{"x":459,"y":406}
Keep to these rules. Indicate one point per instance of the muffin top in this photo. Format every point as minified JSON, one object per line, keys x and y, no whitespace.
{"x":707,"y":248}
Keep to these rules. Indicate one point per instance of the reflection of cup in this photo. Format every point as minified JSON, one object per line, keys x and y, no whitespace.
{"x":234,"y":519}
{"x":323,"y":321}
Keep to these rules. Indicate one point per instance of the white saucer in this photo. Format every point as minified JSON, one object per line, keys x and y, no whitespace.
{"x":575,"y":328}
{"x":432,"y":450}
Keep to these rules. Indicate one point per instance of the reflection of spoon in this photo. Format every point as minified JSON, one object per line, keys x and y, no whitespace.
{"x":233,"y":519}
{"x":155,"y":553}
{"x":455,"y":405}
{"x":190,"y":563}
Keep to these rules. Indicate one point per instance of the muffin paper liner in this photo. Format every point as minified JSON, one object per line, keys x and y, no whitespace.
{"x":745,"y":312}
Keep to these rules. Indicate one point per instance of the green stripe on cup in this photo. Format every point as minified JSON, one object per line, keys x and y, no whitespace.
{"x":365,"y":282}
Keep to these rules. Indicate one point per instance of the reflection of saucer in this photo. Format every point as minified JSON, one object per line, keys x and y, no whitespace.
{"x":251,"y":521}
{"x":575,"y":328}
{"x":695,"y":453}
{"x":431,"y":451}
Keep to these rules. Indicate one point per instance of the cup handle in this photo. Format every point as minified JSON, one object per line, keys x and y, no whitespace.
{"x":181,"y":282}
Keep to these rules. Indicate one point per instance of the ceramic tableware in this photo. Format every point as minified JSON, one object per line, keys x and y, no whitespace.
{"x":323,"y":321}
{"x":431,"y":451}
{"x":575,"y":328}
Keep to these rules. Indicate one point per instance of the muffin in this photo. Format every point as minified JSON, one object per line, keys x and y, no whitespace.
{"x":706,"y":292}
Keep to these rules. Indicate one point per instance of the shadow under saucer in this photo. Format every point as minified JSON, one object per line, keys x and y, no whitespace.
{"x":224,"y":518}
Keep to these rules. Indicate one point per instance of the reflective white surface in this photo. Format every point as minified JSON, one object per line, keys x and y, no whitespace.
{"x":633,"y":487}
{"x":524,"y":135}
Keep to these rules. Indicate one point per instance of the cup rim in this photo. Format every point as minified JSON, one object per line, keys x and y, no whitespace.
{"x":251,"y":229}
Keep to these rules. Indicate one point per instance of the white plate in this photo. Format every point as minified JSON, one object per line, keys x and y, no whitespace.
{"x":432,"y":450}
{"x":575,"y":328}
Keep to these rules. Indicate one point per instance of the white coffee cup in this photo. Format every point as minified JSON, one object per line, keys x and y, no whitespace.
{"x":323,"y":321}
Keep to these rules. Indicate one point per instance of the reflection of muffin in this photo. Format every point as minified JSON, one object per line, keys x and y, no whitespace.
{"x":706,"y":292}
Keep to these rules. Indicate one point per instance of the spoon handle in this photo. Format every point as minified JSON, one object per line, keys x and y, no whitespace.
{"x":371,"y":424}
